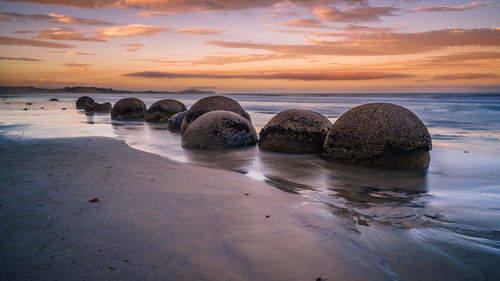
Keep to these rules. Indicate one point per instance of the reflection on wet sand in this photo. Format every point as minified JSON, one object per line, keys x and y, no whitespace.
{"x":237,"y":160}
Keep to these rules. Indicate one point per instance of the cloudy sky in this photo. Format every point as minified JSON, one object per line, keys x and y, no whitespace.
{"x":253,"y":46}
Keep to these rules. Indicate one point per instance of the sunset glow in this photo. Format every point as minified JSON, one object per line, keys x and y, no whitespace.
{"x":253,"y":46}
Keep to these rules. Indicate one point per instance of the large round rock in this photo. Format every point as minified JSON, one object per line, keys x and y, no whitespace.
{"x":164,"y":109}
{"x":219,"y":129}
{"x":295,"y":131}
{"x":81,"y":101}
{"x":128,"y":109}
{"x":175,"y":122}
{"x":379,"y":134}
{"x":212,"y":103}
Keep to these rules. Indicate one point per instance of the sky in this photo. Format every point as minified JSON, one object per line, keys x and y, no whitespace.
{"x":260,"y":46}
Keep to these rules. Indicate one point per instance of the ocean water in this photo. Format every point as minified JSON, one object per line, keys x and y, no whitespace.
{"x":442,"y":223}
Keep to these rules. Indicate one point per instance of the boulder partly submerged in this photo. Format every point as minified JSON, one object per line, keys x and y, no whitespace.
{"x":81,"y":101}
{"x":164,"y":109}
{"x":175,"y":122}
{"x":212,"y":103}
{"x":128,"y":109}
{"x":379,"y":134}
{"x":219,"y":129}
{"x":91,"y":106}
{"x":295,"y":131}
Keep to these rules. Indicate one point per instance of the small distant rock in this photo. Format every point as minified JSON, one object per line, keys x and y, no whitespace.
{"x":25,"y":108}
{"x":28,"y":103}
{"x":219,"y":129}
{"x":175,"y":122}
{"x":164,"y":109}
{"x":53,"y":99}
{"x":93,"y":200}
{"x":64,"y":108}
{"x":129,"y":109}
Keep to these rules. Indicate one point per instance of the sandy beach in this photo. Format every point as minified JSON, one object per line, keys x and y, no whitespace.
{"x":155,"y":219}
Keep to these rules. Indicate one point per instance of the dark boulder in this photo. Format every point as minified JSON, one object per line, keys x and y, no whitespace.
{"x":97,"y":107}
{"x":379,"y":134}
{"x":128,"y":109}
{"x":164,"y":109}
{"x":212,"y":103}
{"x":175,"y":122}
{"x":295,"y":131}
{"x":219,"y":129}
{"x":81,"y":101}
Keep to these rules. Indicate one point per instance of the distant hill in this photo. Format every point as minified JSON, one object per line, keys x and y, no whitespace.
{"x":85,"y":90}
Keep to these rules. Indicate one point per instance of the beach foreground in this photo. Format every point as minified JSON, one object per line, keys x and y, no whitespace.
{"x":156,"y":219}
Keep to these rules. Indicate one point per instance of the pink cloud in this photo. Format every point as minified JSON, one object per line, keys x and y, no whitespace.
{"x":363,"y":14}
{"x":198,"y":31}
{"x":460,"y":8}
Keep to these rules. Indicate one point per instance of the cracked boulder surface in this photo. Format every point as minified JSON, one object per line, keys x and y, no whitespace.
{"x":218,"y":130}
{"x":379,"y":134}
{"x":128,"y":109}
{"x":164,"y":109}
{"x":295,"y":131}
{"x":212,"y":103}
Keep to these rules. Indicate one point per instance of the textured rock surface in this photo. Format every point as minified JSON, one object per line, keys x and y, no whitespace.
{"x":295,"y":131}
{"x":128,"y":109}
{"x":380,"y":134}
{"x":164,"y":109}
{"x":81,"y":101}
{"x":212,"y":103}
{"x":92,"y":106}
{"x":175,"y":122}
{"x":219,"y":129}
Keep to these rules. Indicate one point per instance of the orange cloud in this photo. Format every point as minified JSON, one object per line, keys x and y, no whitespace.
{"x":78,"y":54}
{"x":19,"y":59}
{"x":133,"y":47}
{"x":65,"y":33}
{"x":304,"y":76}
{"x":128,"y":30}
{"x":153,"y":13}
{"x":76,"y":66}
{"x":465,"y":76}
{"x":54,"y":18}
{"x":199,"y":31}
{"x":363,"y":14}
{"x":312,"y":23}
{"x":380,"y":43}
{"x":465,"y":7}
{"x":32,"y":43}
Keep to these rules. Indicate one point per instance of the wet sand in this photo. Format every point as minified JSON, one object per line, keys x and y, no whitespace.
{"x":157,"y":219}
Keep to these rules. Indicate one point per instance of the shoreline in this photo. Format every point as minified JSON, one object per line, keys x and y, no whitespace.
{"x":156,"y":218}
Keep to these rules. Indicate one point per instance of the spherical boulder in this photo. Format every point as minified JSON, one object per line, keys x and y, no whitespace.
{"x":175,"y":122}
{"x":295,"y":131}
{"x":379,"y":134}
{"x":128,"y":109}
{"x":92,"y":106}
{"x":165,"y":108}
{"x":81,"y":101}
{"x":212,"y":103}
{"x":219,"y":129}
